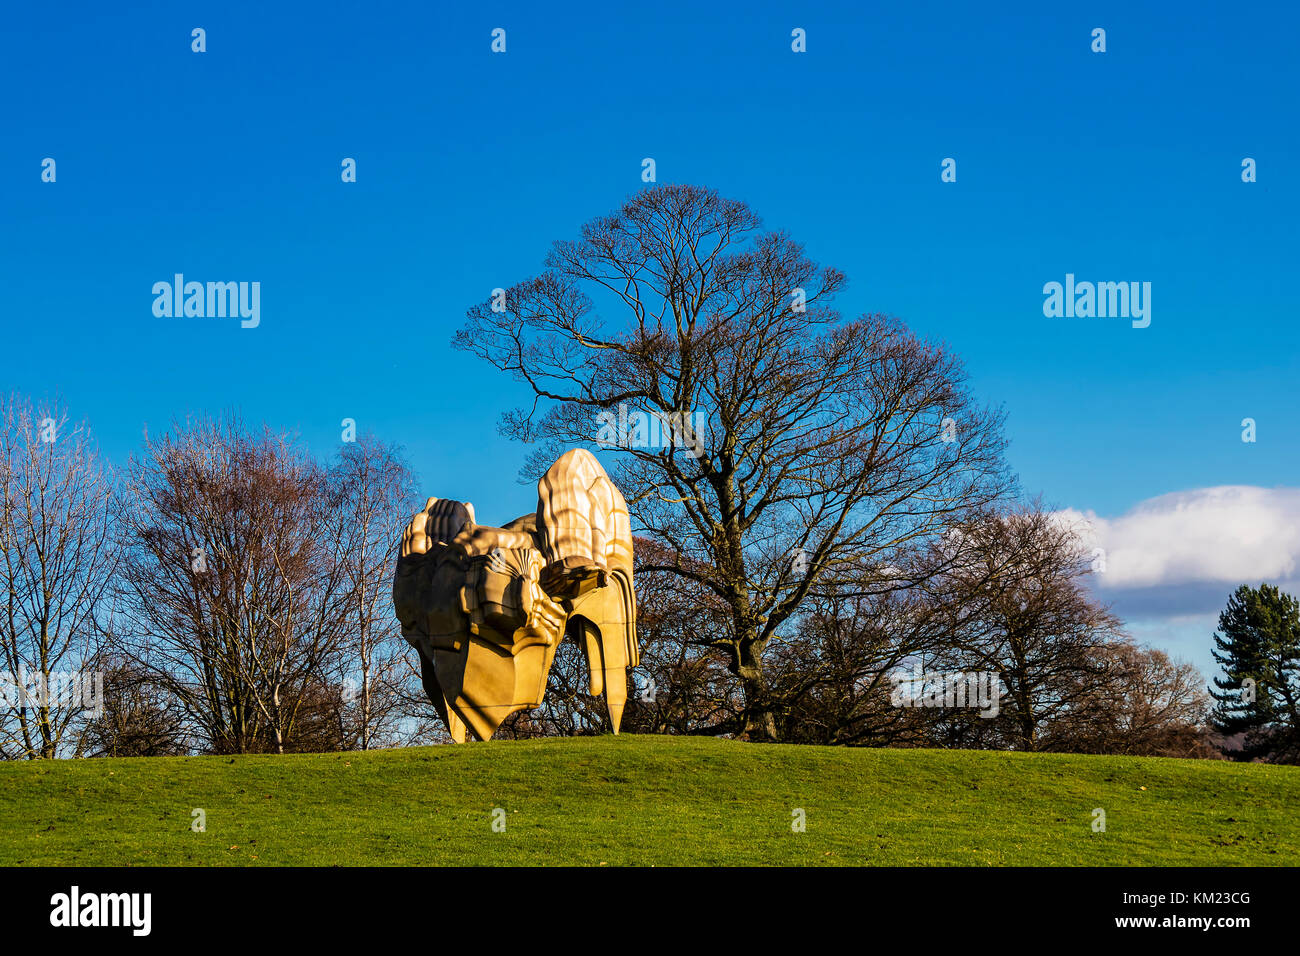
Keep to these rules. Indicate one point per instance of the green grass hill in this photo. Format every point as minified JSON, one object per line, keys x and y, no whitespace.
{"x":633,"y":800}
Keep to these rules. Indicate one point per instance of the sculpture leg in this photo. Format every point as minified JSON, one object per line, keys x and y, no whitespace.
{"x":429,"y":677}
{"x":607,"y":671}
{"x":455,"y":727}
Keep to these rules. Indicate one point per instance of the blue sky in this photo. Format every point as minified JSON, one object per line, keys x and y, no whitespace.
{"x":1118,"y":166}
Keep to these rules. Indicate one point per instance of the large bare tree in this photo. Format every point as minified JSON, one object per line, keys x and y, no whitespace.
{"x":770,"y":446}
{"x":1017,"y":605}
{"x":236,"y":595}
{"x":56,"y":558}
{"x":1144,"y":704}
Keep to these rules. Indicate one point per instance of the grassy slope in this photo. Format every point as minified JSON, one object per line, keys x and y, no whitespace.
{"x":649,"y":800}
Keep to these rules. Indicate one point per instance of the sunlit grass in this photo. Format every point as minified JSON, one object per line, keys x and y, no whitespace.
{"x":649,"y":800}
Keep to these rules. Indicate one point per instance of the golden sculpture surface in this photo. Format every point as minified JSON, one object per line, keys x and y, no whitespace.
{"x":487,"y":607}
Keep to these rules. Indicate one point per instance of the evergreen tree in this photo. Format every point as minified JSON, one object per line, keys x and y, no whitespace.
{"x":1258,"y":647}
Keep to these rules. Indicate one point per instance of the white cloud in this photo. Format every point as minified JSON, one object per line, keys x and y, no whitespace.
{"x":1230,"y":535}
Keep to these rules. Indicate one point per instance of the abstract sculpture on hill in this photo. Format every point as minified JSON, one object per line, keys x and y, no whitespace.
{"x":487,"y":607}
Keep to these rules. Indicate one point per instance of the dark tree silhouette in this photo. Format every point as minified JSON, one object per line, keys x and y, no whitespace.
{"x":1258,"y":647}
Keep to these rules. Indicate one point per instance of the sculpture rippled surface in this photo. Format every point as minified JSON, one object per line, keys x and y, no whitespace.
{"x":487,"y":607}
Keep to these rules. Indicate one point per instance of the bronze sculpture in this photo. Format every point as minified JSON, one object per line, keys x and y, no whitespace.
{"x":487,"y":607}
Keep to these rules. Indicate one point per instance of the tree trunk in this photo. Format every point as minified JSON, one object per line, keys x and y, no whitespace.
{"x":1028,"y":726}
{"x":365,"y":707}
{"x":758,"y":722}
